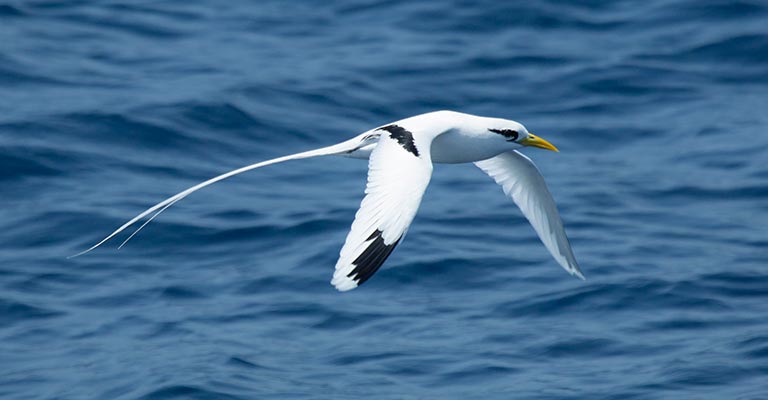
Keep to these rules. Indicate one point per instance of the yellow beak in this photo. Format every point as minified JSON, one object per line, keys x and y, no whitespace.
{"x":535,"y":141}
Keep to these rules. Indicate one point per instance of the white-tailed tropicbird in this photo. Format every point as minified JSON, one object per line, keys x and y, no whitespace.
{"x":400,"y":157}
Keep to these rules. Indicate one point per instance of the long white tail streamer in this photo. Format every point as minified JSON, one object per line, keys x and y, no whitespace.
{"x":340,"y":148}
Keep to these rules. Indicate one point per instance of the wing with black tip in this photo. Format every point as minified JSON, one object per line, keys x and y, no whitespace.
{"x":399,"y":171}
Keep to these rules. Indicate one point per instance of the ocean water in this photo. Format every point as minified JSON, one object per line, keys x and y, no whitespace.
{"x":659,"y":108}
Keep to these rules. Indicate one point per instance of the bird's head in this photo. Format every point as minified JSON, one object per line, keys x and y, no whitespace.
{"x":515,"y":133}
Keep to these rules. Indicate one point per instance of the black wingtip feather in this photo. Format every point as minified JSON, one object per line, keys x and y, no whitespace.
{"x":371,"y":259}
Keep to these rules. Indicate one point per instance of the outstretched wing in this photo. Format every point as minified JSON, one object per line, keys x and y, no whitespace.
{"x":399,"y":170}
{"x":522,"y":181}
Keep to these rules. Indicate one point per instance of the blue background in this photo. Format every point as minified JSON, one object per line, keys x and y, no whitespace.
{"x":106,"y":107}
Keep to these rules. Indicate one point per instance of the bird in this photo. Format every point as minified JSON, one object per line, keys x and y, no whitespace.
{"x":400,"y":158}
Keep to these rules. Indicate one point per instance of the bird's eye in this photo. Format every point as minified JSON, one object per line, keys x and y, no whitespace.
{"x":510,"y":134}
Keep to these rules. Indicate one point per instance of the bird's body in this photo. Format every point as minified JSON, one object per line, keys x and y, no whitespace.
{"x":400,"y":157}
{"x":456,"y":138}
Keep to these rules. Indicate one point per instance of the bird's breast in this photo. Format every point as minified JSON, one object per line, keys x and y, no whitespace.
{"x":457,"y":148}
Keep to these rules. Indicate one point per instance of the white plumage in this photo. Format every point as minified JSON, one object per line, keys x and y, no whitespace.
{"x":400,"y":156}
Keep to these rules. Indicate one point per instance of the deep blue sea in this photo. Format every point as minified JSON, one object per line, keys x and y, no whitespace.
{"x":659,"y":108}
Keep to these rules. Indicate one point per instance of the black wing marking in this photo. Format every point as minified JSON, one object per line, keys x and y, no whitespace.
{"x":371,"y":259}
{"x":403,"y":136}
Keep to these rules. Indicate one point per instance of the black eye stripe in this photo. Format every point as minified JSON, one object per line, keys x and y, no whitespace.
{"x":507,"y":133}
